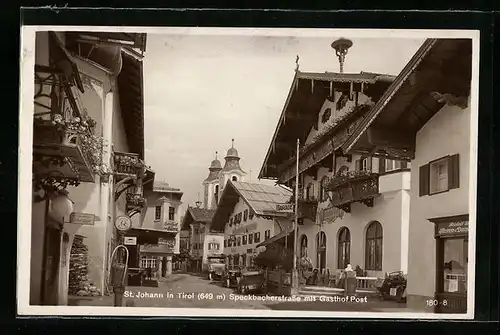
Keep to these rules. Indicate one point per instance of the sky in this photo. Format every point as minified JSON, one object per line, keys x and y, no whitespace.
{"x":201,"y":91}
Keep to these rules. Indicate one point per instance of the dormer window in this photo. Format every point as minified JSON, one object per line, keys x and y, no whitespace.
{"x":326,"y":115}
{"x":342,"y":101}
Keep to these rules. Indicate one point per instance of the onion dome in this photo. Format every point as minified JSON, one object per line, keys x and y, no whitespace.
{"x":214,"y":169}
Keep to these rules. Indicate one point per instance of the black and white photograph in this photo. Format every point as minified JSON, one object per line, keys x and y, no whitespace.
{"x":247,"y":172}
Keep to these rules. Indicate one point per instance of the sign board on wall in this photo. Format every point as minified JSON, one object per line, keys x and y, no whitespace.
{"x":82,"y":218}
{"x":284,"y":208}
{"x":452,"y":228}
{"x":130,"y":240}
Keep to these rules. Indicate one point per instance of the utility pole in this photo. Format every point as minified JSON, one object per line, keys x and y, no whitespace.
{"x":295,"y":275}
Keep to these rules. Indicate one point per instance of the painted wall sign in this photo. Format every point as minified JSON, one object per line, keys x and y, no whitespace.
{"x":245,"y":229}
{"x":452,"y":228}
{"x":330,"y":214}
{"x":82,"y":218}
{"x":130,"y":240}
{"x":284,"y":208}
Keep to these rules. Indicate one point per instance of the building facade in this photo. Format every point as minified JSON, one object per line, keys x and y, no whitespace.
{"x":433,"y":130}
{"x":160,"y":218}
{"x":247,"y":216}
{"x":353,"y":208}
{"x":195,"y":223}
{"x":82,"y":114}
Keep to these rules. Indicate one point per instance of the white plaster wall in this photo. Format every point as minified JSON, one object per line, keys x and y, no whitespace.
{"x":261,"y":226}
{"x":447,"y":133}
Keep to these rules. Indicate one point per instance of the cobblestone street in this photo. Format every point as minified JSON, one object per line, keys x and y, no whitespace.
{"x":183,"y":291}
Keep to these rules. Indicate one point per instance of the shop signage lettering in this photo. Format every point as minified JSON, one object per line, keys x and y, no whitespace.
{"x":132,"y":240}
{"x":452,"y":228}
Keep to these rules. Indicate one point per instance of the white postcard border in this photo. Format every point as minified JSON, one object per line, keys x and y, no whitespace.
{"x":25,"y":174}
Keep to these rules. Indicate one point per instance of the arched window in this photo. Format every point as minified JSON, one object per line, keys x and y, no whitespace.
{"x":303,"y":246}
{"x":216,"y":194}
{"x":344,"y":248}
{"x":235,"y":178}
{"x":321,"y":250}
{"x":373,"y":249}
{"x":323,"y":195}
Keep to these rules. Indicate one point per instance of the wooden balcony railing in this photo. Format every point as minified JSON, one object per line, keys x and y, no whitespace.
{"x":354,"y":186}
{"x":307,"y":207}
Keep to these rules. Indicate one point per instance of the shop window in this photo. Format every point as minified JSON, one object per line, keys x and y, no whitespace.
{"x":157,"y":212}
{"x":303,"y":246}
{"x":267,"y":234}
{"x":373,"y":247}
{"x":171,"y":213}
{"x":344,"y":248}
{"x":256,"y":237}
{"x":250,"y":238}
{"x":455,"y":262}
{"x":245,"y":215}
{"x":439,"y":176}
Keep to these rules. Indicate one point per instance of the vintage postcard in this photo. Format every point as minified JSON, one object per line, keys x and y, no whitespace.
{"x":247,"y":172}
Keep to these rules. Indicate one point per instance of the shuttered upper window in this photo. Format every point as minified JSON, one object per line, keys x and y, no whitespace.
{"x":439,"y":175}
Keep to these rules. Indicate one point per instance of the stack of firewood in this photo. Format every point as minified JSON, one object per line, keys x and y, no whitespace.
{"x":79,"y":283}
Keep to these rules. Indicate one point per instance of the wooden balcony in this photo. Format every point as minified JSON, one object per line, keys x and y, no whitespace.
{"x":127,"y":164}
{"x":354,"y":186}
{"x":60,"y":153}
{"x":59,"y":150}
{"x":307,"y":207}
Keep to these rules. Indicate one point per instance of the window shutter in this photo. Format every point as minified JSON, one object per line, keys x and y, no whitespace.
{"x":357,"y":165}
{"x":404,"y":165}
{"x":381,"y":165}
{"x":453,"y":172}
{"x":424,"y":180}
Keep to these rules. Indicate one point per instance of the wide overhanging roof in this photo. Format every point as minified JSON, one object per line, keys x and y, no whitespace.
{"x":261,"y":199}
{"x":442,"y":66}
{"x":200,"y":215}
{"x":307,"y":94}
{"x":131,"y":96}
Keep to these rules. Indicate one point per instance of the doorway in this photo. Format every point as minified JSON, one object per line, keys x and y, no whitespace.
{"x":321,"y":251}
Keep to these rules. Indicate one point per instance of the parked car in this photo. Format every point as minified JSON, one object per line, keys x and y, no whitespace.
{"x":231,"y":277}
{"x":252,"y":282}
{"x":393,"y":287}
{"x":216,"y":268}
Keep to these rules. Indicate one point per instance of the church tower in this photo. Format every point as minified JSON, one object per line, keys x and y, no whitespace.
{"x":232,"y":170}
{"x":211,"y":185}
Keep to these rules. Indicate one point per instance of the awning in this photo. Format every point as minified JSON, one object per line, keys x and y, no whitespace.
{"x":276,"y":237}
{"x":148,"y":236}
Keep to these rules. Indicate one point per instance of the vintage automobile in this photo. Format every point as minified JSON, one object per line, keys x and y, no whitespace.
{"x":393,"y":287}
{"x":231,"y":277}
{"x":216,"y":267}
{"x":252,"y":281}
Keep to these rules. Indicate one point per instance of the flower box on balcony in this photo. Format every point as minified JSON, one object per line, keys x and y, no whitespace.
{"x":135,"y":200}
{"x":61,"y":152}
{"x":127,"y":164}
{"x":354,"y":186}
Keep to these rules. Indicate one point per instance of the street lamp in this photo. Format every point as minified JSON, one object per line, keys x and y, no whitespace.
{"x":341,"y":46}
{"x":60,"y":207}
